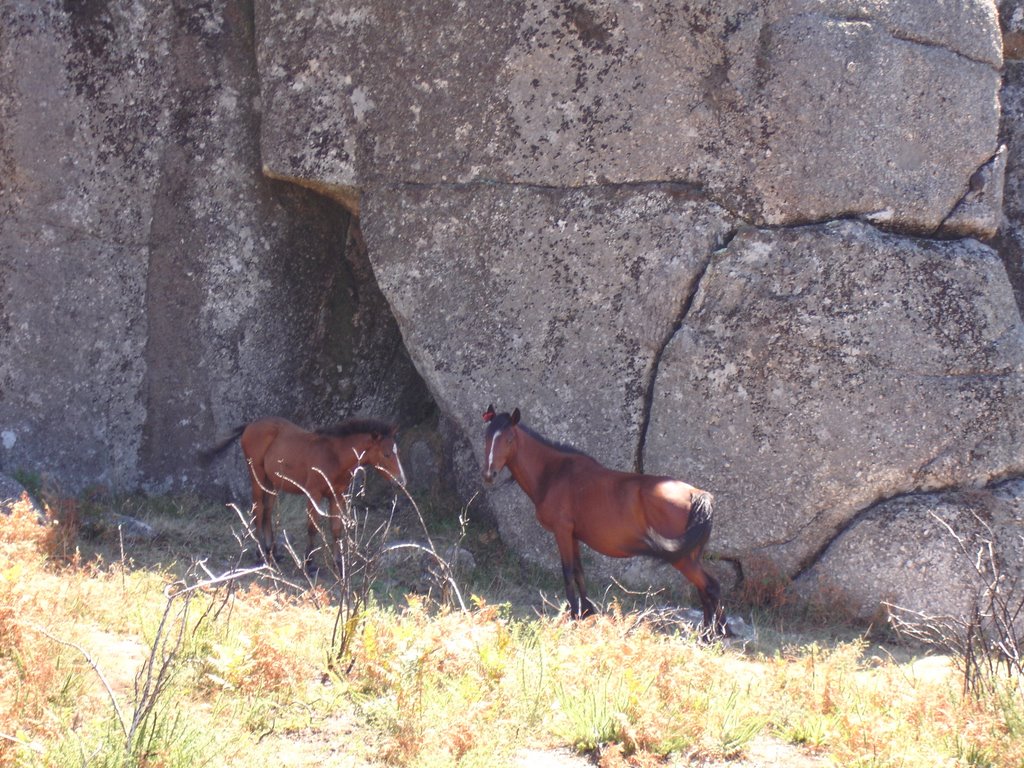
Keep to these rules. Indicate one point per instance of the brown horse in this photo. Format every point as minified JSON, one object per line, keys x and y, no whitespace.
{"x":619,"y":514}
{"x":284,"y":458}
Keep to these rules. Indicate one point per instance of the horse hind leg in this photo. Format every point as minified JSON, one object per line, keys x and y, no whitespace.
{"x":313,"y":532}
{"x":709,"y":591}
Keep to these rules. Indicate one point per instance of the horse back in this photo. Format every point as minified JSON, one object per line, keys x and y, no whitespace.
{"x":615,"y":511}
{"x":667,"y":504}
{"x":284,"y":452}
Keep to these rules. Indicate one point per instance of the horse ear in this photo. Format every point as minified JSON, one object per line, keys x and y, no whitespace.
{"x":489,"y":413}
{"x":515,"y":417}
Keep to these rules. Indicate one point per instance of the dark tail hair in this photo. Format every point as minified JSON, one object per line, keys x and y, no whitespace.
{"x":205,"y":457}
{"x":697,"y":533}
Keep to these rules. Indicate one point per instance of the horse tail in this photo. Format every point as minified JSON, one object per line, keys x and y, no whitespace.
{"x":696,"y":535}
{"x":207,"y":456}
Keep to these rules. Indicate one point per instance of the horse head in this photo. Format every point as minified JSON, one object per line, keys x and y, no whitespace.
{"x":388,"y":445}
{"x":499,"y":441}
{"x":382,"y":452}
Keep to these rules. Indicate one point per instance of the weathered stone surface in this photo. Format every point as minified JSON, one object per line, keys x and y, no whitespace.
{"x":1011,"y":17}
{"x":979,"y":213}
{"x":920,"y":552}
{"x":968,"y":29}
{"x":76,"y":115}
{"x":1010,"y":239}
{"x":824,"y":368}
{"x":553,"y":301}
{"x":848,"y":110}
{"x":155,"y":288}
{"x":298,"y":46}
{"x":786,"y":112}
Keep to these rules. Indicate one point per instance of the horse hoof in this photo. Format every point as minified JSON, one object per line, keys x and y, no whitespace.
{"x":582,"y":612}
{"x":262,"y":557}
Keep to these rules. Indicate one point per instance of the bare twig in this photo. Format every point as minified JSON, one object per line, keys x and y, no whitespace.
{"x":95,"y":668}
{"x":987,"y":640}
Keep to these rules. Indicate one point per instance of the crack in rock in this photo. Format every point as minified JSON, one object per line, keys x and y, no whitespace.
{"x":864,"y":513}
{"x":648,"y":403}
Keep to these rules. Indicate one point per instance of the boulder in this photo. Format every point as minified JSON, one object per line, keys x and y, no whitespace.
{"x":785,"y":112}
{"x":554,"y":301}
{"x":156,"y":289}
{"x":899,"y":551}
{"x":77,"y":112}
{"x":1010,"y":239}
{"x":847,"y":107}
{"x":825,"y":368}
{"x":299,"y":46}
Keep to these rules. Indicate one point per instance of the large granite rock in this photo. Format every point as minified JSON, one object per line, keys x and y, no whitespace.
{"x":928,"y":554}
{"x":1010,"y":239}
{"x":554,"y":301}
{"x":785,"y":111}
{"x":155,"y":288}
{"x":823,"y":369}
{"x":76,"y":116}
{"x":549,"y":193}
{"x":847,"y":114}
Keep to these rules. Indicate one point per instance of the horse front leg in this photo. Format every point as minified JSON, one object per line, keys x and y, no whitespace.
{"x":337,"y":510}
{"x":585,"y":606}
{"x":262,"y":517}
{"x":313,"y":532}
{"x":568,"y":552}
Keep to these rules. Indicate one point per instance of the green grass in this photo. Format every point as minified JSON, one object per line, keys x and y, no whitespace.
{"x":249,"y":677}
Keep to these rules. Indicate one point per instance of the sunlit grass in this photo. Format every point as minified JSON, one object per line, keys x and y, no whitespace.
{"x":433,"y":686}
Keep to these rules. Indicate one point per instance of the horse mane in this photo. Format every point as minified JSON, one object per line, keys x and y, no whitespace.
{"x":358,"y":427}
{"x":502,"y":421}
{"x":563,"y":447}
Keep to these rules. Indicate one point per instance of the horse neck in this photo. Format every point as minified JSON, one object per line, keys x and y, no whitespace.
{"x":348,"y":452}
{"x":529,"y":462}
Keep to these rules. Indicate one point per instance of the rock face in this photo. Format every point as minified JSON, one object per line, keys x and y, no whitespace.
{"x":825,"y":368}
{"x":155,"y":288}
{"x":557,"y":301}
{"x":727,"y":240}
{"x":785,"y":112}
{"x":893,"y":554}
{"x":554,"y":301}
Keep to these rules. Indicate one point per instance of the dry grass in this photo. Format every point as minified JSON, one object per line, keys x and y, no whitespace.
{"x":432,"y":686}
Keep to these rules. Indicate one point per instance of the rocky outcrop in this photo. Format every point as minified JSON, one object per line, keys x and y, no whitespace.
{"x":784,"y":112}
{"x":554,"y":301}
{"x":931,"y":554}
{"x":156,"y":289}
{"x":722,"y":240}
{"x":824,"y":368}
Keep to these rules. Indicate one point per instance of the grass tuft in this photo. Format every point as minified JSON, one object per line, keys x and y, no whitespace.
{"x":249,"y":676}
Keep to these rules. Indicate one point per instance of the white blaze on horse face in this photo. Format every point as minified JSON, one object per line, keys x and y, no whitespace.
{"x":398,"y":463}
{"x":490,"y":454}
